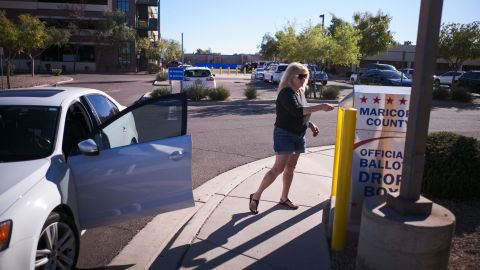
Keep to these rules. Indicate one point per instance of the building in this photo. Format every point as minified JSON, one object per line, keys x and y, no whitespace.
{"x":83,"y":53}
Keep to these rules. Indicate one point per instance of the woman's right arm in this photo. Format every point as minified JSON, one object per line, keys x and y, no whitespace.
{"x":317,"y":107}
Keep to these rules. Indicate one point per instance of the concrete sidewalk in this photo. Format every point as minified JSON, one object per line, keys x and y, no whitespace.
{"x":221,"y":233}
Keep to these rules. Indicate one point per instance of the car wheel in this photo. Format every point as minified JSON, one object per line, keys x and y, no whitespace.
{"x":436,"y":83}
{"x":324,"y":83}
{"x":58,"y":244}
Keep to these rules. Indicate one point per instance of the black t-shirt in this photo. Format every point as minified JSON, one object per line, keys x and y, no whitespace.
{"x":290,"y":111}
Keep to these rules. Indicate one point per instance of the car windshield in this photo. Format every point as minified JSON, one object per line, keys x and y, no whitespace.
{"x":197,"y":73}
{"x":259,"y":69}
{"x":27,"y":132}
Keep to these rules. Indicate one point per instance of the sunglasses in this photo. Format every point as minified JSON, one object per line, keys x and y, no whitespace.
{"x":302,"y":76}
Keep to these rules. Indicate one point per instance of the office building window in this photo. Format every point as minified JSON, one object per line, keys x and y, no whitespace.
{"x":124,"y":53}
{"x":123,"y":5}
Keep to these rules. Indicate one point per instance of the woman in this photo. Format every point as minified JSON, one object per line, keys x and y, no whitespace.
{"x":293,"y":114}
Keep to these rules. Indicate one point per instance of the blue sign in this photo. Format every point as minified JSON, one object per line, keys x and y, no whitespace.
{"x":175,"y":73}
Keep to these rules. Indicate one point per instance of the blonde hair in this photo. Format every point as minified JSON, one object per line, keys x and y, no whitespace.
{"x":293,"y":70}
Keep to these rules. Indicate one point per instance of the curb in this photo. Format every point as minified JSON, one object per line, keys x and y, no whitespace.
{"x":54,"y":84}
{"x":176,"y":230}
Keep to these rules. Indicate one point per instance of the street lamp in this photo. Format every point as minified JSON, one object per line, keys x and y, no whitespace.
{"x":323,"y":19}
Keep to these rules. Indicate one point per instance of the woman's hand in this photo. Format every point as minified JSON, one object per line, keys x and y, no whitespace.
{"x":327,"y":107}
{"x":314,"y":129}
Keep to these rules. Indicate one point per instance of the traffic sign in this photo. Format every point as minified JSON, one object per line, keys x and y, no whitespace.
{"x":175,"y":74}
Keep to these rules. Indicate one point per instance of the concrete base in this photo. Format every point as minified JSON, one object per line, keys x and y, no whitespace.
{"x":389,"y":240}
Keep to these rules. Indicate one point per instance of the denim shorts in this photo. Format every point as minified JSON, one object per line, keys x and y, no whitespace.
{"x":286,"y":142}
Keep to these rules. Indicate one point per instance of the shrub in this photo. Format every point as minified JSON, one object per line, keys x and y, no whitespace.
{"x":461,"y":94}
{"x":251,"y":92}
{"x":196,"y":92}
{"x":153,"y":68}
{"x":440,"y":93}
{"x":56,"y":71}
{"x":162,"y":76}
{"x":162,"y":91}
{"x":330,"y":92}
{"x":452,"y":165}
{"x":219,"y":93}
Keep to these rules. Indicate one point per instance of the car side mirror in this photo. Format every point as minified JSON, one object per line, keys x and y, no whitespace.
{"x":88,"y":147}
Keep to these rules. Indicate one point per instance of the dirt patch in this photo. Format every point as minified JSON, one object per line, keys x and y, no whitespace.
{"x":26,"y":80}
{"x":465,"y":250}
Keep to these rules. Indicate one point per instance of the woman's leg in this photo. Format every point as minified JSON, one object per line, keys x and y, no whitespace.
{"x":288,"y":175}
{"x":271,"y":175}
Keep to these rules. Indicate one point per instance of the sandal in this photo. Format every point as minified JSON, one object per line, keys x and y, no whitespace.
{"x":253,"y":205}
{"x":289,"y":204}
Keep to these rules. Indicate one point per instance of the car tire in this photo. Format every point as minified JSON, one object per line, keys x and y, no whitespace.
{"x":50,"y":252}
{"x":436,"y":83}
{"x":324,"y":83}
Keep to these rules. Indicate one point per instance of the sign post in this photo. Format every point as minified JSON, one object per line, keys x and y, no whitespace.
{"x":175,"y":74}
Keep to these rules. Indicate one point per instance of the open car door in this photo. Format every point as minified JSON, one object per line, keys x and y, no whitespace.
{"x":138,"y":163}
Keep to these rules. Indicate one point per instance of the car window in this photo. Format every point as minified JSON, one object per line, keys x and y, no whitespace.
{"x":197,"y":73}
{"x":76,"y":129}
{"x":149,"y":120}
{"x":27,"y":132}
{"x":102,"y":107}
{"x":282,"y":68}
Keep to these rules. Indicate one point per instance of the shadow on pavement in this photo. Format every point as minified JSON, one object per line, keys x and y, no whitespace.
{"x":281,"y":255}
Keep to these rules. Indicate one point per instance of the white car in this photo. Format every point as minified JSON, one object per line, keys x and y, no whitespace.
{"x":74,"y":158}
{"x":274,"y":72}
{"x":446,"y":78}
{"x":198,"y":76}
{"x":257,"y":74}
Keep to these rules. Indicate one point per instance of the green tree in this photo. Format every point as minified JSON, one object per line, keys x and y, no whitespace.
{"x":375,"y":34}
{"x":458,"y":43}
{"x":314,"y":45}
{"x":345,"y":50}
{"x":335,"y":23}
{"x":288,"y":43}
{"x":269,"y":47}
{"x":9,"y":39}
{"x":200,"y":51}
{"x":33,"y":37}
{"x":113,"y":30}
{"x":169,"y":49}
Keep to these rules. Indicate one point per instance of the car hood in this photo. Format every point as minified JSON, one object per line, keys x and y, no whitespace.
{"x":403,"y":82}
{"x":19,"y":177}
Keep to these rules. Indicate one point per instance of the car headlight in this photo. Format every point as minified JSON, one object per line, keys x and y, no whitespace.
{"x":5,"y":233}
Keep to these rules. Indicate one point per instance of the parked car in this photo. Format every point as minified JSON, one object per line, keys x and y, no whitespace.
{"x":200,"y":76}
{"x":384,"y":77}
{"x":380,"y":66}
{"x":354,"y":77}
{"x":74,"y":159}
{"x":173,"y":63}
{"x":317,"y":75}
{"x":408,"y":72}
{"x":278,"y":74}
{"x":274,"y":72}
{"x":471,"y":80}
{"x":258,"y":74}
{"x":446,"y":78}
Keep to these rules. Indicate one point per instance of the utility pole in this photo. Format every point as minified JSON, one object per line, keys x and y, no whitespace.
{"x":323,"y":19}
{"x":183,"y":56}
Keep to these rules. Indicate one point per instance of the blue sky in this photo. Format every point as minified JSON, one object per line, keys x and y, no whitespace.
{"x":229,"y":27}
